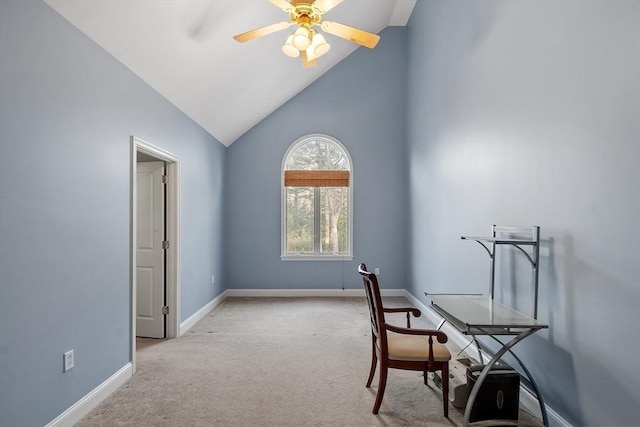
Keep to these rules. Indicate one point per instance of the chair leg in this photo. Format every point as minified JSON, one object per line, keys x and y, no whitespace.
{"x":445,"y":388}
{"x":381,"y":385}
{"x":374,"y":361}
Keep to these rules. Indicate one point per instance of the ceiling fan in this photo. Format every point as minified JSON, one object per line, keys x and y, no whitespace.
{"x":306,"y":42}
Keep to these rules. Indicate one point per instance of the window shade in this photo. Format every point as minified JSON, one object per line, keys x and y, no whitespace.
{"x":316,"y":178}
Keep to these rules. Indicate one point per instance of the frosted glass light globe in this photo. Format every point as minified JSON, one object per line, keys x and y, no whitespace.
{"x":301,"y":40}
{"x":288,"y":48}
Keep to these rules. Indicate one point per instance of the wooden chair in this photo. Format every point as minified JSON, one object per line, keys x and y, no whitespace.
{"x":402,"y":348}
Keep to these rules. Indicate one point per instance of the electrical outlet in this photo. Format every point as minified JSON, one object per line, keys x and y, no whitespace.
{"x":68,"y":361}
{"x":377,"y":271}
{"x":213,"y":279}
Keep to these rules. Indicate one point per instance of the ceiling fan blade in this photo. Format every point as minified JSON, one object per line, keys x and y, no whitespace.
{"x":284,"y":5}
{"x":262,"y":31}
{"x":305,"y":62}
{"x":324,"y":6}
{"x":352,"y":34}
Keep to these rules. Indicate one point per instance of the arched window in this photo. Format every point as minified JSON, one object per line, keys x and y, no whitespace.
{"x":317,"y":185}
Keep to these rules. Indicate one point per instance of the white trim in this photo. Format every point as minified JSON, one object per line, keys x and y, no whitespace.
{"x":82,"y":407}
{"x":202,"y":313}
{"x":303,"y":257}
{"x":309,"y":292}
{"x":173,"y":253}
{"x":173,"y":234}
{"x":527,"y":400}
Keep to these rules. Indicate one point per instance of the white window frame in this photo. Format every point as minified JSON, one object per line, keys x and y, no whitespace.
{"x":283,"y":238}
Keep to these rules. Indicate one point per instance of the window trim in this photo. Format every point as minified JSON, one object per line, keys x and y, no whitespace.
{"x":284,"y":256}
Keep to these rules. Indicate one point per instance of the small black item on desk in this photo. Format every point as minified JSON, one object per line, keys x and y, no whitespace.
{"x":499,"y":394}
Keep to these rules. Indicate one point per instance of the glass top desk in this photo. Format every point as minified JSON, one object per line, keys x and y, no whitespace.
{"x":479,"y":315}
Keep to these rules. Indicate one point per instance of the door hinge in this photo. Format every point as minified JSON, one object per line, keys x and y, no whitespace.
{"x":165,"y":310}
{"x":165,"y":179}
{"x":165,"y":244}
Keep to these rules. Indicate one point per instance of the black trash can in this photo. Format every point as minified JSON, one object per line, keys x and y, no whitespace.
{"x":499,"y":394}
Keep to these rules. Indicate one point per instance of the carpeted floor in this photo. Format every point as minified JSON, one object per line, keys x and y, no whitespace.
{"x":271,"y":362}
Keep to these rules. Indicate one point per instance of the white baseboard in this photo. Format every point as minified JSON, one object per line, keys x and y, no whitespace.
{"x":85,"y":405}
{"x":201,"y":314}
{"x":527,"y":400}
{"x":309,"y":292}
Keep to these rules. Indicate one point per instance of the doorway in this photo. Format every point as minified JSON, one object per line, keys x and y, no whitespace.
{"x":150,"y":248}
{"x":162,"y":301}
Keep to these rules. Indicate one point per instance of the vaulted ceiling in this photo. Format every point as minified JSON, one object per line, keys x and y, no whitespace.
{"x":184,"y":49}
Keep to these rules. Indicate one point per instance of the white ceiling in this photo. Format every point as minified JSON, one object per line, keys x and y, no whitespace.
{"x":184,"y":49}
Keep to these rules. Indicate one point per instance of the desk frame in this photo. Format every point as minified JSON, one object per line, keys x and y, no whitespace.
{"x":520,"y":330}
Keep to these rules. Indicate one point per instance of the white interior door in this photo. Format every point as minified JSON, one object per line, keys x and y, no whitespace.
{"x":150,"y":260}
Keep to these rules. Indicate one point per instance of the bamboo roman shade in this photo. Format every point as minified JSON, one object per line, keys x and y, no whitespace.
{"x":316,"y":178}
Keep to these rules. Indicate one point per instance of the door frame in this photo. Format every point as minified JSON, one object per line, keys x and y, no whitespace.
{"x":172,"y":220}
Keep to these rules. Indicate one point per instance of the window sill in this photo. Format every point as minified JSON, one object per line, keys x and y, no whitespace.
{"x":316,"y":257}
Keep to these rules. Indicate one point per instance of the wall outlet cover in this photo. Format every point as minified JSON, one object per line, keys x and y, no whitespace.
{"x":68,"y":361}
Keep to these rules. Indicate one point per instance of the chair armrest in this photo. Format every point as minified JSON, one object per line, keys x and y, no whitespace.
{"x":416,"y":312}
{"x":440,"y":336}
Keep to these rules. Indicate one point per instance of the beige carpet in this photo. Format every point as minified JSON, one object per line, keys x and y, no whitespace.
{"x":271,"y":362}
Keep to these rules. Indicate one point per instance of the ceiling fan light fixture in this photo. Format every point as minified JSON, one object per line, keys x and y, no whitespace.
{"x":319,"y":45}
{"x":301,"y":39}
{"x":306,"y":42}
{"x":289,"y":49}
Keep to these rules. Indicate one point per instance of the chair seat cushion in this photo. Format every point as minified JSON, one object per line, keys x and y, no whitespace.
{"x":415,"y":347}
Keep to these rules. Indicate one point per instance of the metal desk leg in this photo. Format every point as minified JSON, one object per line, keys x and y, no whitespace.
{"x":543,"y":409}
{"x":483,"y":375}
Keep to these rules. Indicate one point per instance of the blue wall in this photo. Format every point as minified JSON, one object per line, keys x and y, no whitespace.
{"x":528,"y":113}
{"x":361,"y":102}
{"x":67,"y":110}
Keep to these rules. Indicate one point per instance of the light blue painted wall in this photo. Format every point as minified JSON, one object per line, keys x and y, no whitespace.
{"x":361,"y":102}
{"x":528,"y":113}
{"x":67,"y":110}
